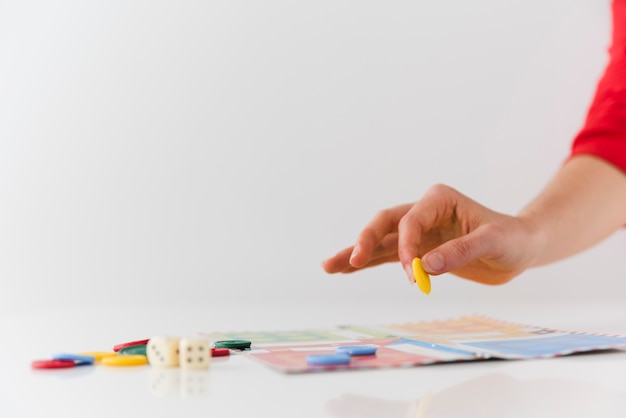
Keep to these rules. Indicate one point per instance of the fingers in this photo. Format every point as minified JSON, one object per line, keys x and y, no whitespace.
{"x":385,"y":251}
{"x":374,"y":262}
{"x":437,"y":206}
{"x":338,"y":262}
{"x":449,"y":231}
{"x":383,"y":224}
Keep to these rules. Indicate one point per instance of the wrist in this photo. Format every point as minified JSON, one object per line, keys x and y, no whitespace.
{"x":537,"y":238}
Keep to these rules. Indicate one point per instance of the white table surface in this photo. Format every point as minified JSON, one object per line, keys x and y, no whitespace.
{"x":575,"y":386}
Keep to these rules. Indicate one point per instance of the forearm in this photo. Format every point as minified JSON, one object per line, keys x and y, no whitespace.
{"x":583,"y":204}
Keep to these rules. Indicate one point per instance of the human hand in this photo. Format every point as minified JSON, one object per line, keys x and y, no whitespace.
{"x":451,"y":233}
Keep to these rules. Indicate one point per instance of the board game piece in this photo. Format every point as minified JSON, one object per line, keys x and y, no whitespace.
{"x":77,"y":358}
{"x":327,"y":359}
{"x":125,"y":360}
{"x":356,"y":350}
{"x":134,"y":349}
{"x":163,"y":352}
{"x":220,"y":352}
{"x":98,"y":355}
{"x":194,"y":353}
{"x":421,"y":277}
{"x":233,"y":344}
{"x":52,"y":364}
{"x":118,"y":347}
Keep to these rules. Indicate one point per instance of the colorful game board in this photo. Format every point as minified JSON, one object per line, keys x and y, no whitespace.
{"x":412,"y":344}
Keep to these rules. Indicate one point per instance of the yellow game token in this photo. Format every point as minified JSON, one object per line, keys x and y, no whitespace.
{"x":125,"y":360}
{"x":98,"y":355}
{"x":421,"y":277}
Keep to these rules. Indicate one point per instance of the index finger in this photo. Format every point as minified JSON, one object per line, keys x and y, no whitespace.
{"x":385,"y":222}
{"x":437,"y":204}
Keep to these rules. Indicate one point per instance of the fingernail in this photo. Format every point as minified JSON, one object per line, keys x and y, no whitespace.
{"x":409,"y":273}
{"x":433,"y":263}
{"x":355,"y":252}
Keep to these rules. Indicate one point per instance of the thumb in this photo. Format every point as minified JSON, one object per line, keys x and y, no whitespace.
{"x":454,"y":254}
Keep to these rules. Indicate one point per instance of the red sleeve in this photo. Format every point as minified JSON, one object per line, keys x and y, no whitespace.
{"x":604,"y":132}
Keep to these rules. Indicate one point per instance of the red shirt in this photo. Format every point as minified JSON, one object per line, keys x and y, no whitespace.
{"x":604,"y":132}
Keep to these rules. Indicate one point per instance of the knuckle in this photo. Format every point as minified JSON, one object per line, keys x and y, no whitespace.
{"x":492,"y":237}
{"x":462,"y":249}
{"x":491,"y":230}
{"x":408,"y":224}
{"x":405,"y":221}
{"x":383,"y":215}
{"x":367,"y":234}
{"x":439,"y":189}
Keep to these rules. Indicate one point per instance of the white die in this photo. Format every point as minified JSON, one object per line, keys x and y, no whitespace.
{"x":163,"y":351}
{"x":195,"y":353}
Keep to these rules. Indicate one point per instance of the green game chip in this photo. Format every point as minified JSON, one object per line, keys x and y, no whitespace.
{"x":134,"y":349}
{"x":233,"y":344}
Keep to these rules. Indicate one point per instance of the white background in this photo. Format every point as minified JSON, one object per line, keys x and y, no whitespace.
{"x":159,"y":153}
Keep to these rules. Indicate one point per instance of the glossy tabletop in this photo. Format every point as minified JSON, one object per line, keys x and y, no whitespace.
{"x":575,"y":386}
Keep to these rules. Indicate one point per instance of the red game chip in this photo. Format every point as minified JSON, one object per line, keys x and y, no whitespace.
{"x":220,"y":352}
{"x":130,"y":344}
{"x":52,"y":364}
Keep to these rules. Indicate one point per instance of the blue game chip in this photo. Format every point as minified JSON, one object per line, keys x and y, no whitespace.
{"x":79,"y":359}
{"x":356,"y":350}
{"x":327,"y":359}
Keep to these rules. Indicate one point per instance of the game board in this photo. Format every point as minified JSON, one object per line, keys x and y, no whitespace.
{"x":412,"y":344}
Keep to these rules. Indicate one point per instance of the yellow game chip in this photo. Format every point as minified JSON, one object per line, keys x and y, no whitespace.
{"x":421,"y":277}
{"x":125,"y":360}
{"x":98,"y":355}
